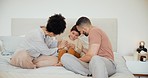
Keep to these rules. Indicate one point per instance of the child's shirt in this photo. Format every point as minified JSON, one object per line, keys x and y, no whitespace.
{"x":78,"y":44}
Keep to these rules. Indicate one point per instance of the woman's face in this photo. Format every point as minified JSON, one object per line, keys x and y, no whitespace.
{"x":51,"y":34}
{"x":73,"y":35}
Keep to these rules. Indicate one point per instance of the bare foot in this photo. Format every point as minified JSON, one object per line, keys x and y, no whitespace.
{"x":58,"y":64}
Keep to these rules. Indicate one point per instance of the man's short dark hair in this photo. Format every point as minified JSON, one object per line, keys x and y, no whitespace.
{"x":74,"y":28}
{"x":83,"y":20}
{"x":56,"y":24}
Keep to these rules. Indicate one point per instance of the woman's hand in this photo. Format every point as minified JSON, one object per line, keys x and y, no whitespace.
{"x":62,"y":44}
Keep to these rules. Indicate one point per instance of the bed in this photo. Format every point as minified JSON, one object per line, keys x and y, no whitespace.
{"x":10,"y":43}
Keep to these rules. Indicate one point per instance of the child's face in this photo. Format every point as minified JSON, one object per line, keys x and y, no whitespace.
{"x":74,"y":35}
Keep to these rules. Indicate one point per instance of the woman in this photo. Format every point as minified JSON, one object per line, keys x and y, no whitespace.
{"x":40,"y":45}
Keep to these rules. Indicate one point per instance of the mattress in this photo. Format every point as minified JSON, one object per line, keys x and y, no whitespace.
{"x":9,"y":71}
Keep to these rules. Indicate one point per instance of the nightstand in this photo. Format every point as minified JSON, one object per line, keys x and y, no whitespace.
{"x":138,"y":68}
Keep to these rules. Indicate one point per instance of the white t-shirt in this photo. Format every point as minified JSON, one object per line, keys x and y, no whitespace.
{"x":37,"y":43}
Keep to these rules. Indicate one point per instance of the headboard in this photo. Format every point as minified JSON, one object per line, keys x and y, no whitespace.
{"x":20,"y":26}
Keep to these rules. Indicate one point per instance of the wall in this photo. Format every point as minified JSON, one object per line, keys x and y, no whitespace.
{"x":132,"y":16}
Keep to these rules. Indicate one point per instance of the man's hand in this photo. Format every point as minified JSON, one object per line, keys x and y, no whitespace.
{"x":85,"y":50}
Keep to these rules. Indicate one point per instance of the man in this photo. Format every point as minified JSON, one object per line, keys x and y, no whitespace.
{"x":99,"y":60}
{"x":40,"y":46}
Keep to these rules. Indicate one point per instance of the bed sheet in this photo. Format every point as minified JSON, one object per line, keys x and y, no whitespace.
{"x":9,"y":71}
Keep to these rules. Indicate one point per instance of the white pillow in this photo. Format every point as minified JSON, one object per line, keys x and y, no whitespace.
{"x":10,"y":44}
{"x":120,"y":64}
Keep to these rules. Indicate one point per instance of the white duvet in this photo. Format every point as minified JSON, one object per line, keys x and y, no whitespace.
{"x":9,"y":71}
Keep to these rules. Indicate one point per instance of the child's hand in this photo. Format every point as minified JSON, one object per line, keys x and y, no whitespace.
{"x":72,"y":45}
{"x":62,"y":44}
{"x":67,"y":45}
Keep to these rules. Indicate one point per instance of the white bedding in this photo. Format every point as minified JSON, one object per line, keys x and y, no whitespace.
{"x":9,"y":71}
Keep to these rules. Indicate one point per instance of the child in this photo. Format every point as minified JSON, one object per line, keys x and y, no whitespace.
{"x":74,"y":45}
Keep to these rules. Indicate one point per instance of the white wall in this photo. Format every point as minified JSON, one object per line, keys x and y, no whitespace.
{"x":132,"y":16}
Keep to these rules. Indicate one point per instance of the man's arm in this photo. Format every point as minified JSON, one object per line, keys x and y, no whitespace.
{"x":93,"y":50}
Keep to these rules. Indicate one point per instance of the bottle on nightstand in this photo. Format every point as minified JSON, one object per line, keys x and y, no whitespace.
{"x":141,"y":54}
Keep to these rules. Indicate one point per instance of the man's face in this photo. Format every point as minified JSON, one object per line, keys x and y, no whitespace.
{"x":83,"y":30}
{"x":86,"y":34}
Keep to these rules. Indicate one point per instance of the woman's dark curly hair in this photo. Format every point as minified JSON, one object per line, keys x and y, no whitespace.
{"x":56,"y":24}
{"x":74,"y":28}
